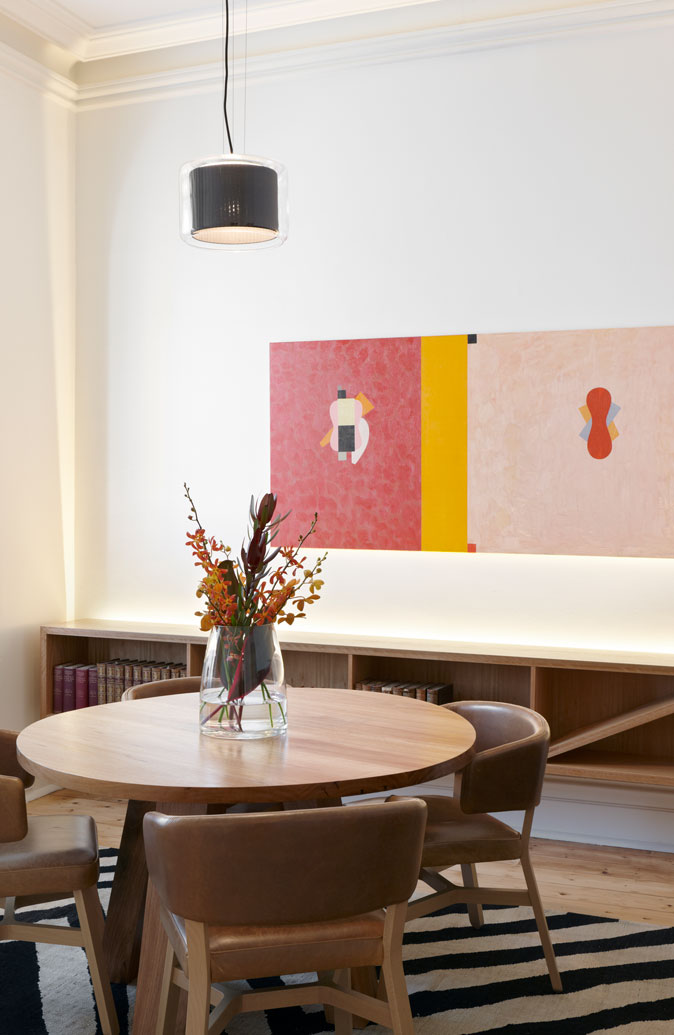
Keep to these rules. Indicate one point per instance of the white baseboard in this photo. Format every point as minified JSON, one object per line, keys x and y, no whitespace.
{"x":592,"y":812}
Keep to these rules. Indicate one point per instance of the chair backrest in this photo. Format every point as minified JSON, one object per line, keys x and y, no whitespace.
{"x":511,"y":749}
{"x":163,"y":687}
{"x":13,"y":781}
{"x":286,"y":867}
{"x":9,"y":762}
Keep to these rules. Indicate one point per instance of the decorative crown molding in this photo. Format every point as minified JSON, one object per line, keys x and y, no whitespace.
{"x":145,"y":62}
{"x":437,"y":41}
{"x":344,"y":19}
{"x":34,"y":74}
{"x":51,"y":21}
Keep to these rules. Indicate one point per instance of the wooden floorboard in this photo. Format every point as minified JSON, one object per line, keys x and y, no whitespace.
{"x":618,"y":882}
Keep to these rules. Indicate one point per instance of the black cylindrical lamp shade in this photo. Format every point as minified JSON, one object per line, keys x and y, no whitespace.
{"x":233,"y":201}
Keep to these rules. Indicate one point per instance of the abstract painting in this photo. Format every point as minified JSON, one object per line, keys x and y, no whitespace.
{"x":371,"y":434}
{"x":539,"y":442}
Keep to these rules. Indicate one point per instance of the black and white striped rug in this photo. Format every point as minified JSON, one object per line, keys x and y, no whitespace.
{"x":618,"y":978}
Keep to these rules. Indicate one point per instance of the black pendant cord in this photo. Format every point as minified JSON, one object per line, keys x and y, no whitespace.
{"x":226,"y":61}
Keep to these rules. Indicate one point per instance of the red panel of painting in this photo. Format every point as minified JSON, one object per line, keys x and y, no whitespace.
{"x":346,"y":441}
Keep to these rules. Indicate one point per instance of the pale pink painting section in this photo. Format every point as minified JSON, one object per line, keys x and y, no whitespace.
{"x":532,"y":485}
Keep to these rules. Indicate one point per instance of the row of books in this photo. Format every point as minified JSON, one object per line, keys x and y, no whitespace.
{"x":78,"y":686}
{"x":434,"y":693}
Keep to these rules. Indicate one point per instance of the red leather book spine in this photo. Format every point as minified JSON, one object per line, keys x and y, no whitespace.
{"x":69,"y":687}
{"x":57,"y":702}
{"x":82,"y":686}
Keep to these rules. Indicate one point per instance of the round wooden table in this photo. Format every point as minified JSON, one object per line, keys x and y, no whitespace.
{"x":150,"y":752}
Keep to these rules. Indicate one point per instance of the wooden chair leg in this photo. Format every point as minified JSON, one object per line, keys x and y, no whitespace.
{"x":90,"y":916}
{"x":343,"y":1020}
{"x":469,"y":876}
{"x":327,"y":975}
{"x":393,"y":973}
{"x":167,"y":1010}
{"x":541,"y":922}
{"x":199,"y":995}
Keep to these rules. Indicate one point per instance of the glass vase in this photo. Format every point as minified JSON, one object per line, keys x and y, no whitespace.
{"x":243,"y":691}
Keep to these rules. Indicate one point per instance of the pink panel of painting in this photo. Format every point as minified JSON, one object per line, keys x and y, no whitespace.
{"x":346,"y":440}
{"x":538,"y":482}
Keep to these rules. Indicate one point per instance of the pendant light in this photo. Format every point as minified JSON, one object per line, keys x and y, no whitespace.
{"x":230,"y":201}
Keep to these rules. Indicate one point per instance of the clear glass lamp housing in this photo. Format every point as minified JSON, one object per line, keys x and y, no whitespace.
{"x":233,"y":202}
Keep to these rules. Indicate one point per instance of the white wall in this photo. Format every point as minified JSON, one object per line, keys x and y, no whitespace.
{"x":523,"y":187}
{"x":520,"y":187}
{"x":37,"y":384}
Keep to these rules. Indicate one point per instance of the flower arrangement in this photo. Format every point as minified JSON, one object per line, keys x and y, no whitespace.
{"x":247,"y":591}
{"x":243,"y":598}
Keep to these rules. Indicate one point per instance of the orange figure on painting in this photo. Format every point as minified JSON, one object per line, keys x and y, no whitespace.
{"x":599,"y":430}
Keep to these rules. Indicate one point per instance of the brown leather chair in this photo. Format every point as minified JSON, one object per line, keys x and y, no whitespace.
{"x":504,"y":775}
{"x":163,"y":687}
{"x":258,"y":895}
{"x":45,"y":858}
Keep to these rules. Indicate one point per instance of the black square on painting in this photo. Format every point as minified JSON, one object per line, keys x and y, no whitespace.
{"x":347,"y":438}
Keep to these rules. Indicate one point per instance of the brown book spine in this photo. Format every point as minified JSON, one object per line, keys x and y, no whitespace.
{"x":156,"y":672}
{"x":128,"y":674}
{"x":92,"y":684}
{"x":441,"y":693}
{"x":119,"y":678}
{"x":147,"y":672}
{"x":422,"y":688}
{"x":110,"y":680}
{"x":137,"y":674}
{"x":101,"y":668}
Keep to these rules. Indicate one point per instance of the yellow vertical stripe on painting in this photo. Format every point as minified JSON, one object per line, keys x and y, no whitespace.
{"x":444,"y":443}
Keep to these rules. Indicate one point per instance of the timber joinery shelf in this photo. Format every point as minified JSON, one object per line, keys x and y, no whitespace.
{"x":611,"y":713}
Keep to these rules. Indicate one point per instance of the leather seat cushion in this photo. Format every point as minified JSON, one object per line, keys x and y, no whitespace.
{"x":453,"y":837}
{"x":259,"y":952}
{"x":58,"y":854}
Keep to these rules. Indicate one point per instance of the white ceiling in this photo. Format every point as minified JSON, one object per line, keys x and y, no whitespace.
{"x":102,"y":14}
{"x":106,"y":15}
{"x":95,"y":29}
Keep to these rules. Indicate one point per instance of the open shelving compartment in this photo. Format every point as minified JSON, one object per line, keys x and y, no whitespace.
{"x":615,"y":725}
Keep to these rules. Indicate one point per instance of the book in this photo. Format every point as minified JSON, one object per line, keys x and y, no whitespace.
{"x":69,"y":687}
{"x":57,"y":689}
{"x":92,"y":680}
{"x":82,"y":686}
{"x":137,"y":673}
{"x":393,"y":687}
{"x":147,"y":671}
{"x":101,"y":668}
{"x":120,"y":667}
{"x":440,"y":693}
{"x":110,"y":680}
